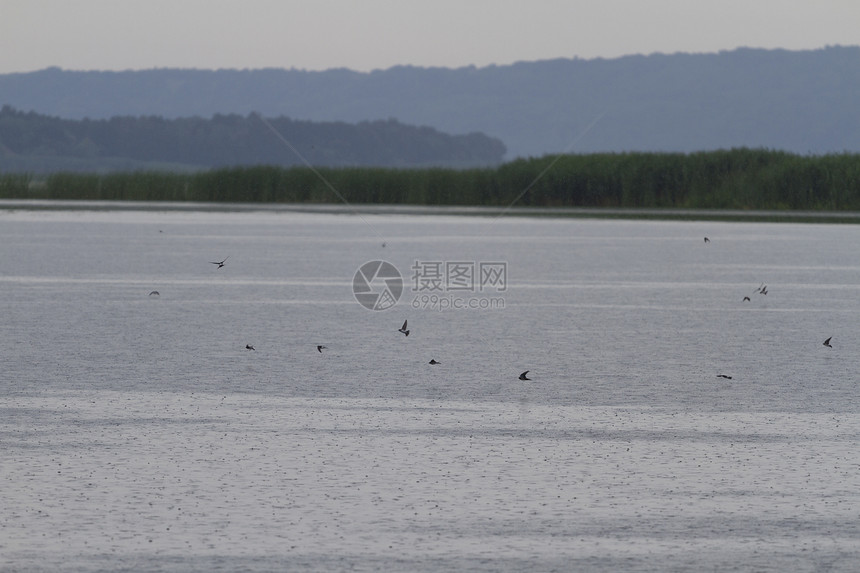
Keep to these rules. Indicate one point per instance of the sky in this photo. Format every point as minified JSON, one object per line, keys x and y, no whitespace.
{"x":365,"y":35}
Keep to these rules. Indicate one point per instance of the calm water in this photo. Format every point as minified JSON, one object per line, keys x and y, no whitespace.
{"x":138,"y":433}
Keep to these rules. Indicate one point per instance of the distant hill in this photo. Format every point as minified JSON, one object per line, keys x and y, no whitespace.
{"x":797,"y":101}
{"x":36,"y":143}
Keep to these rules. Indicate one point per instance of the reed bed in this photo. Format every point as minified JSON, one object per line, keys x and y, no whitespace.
{"x":729,"y":179}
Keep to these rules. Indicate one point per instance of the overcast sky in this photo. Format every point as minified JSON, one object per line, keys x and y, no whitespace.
{"x":377,"y":34}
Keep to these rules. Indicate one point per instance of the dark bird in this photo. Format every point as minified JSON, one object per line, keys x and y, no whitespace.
{"x":155,"y":292}
{"x":763,"y":289}
{"x":320,"y":348}
{"x":746,"y":299}
{"x":433,"y":361}
{"x":827,"y":343}
{"x":403,"y":328}
{"x":707,"y":240}
{"x":724,"y":376}
{"x":249,"y":347}
{"x":220,"y":263}
{"x":523,"y":376}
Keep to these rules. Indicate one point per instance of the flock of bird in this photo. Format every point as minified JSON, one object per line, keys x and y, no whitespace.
{"x":762,"y":289}
{"x":403,"y":329}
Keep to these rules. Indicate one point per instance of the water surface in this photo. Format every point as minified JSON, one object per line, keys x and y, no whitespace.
{"x":138,"y":433}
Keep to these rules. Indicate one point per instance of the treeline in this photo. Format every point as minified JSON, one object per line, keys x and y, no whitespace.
{"x":35,"y":142}
{"x":730,"y":179}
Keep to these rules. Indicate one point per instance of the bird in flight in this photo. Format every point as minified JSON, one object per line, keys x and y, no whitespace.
{"x":155,"y":293}
{"x":523,"y":376}
{"x":724,"y":376}
{"x":220,"y":263}
{"x":403,"y":328}
{"x":434,"y":361}
{"x":249,"y":347}
{"x":320,"y":348}
{"x":707,"y":240}
{"x":746,"y":299}
{"x":827,"y":343}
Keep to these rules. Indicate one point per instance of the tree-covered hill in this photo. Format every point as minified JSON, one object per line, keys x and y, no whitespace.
{"x":38,"y":143}
{"x":796,"y":101}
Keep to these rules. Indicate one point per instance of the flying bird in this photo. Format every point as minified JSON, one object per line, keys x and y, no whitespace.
{"x":746,"y":299}
{"x":707,"y":240}
{"x":249,"y":347}
{"x":403,"y":328}
{"x":724,"y":376}
{"x":433,"y":361}
{"x":523,"y":376}
{"x":220,"y":263}
{"x":155,"y":292}
{"x":320,"y":348}
{"x":827,"y":343}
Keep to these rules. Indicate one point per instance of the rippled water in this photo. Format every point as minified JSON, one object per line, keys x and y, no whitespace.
{"x":138,"y":433}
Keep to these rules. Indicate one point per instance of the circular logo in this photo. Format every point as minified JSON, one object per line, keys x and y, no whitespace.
{"x":377,"y":285}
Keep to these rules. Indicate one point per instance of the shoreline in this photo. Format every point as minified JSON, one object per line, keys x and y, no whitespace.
{"x":842,"y":217}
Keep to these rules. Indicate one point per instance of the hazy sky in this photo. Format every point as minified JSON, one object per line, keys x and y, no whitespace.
{"x":377,"y":34}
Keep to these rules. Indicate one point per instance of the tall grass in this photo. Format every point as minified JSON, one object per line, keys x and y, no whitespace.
{"x":737,"y":179}
{"x":15,"y":185}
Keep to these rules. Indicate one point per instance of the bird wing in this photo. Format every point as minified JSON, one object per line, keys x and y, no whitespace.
{"x":404,"y":324}
{"x":827,"y":341}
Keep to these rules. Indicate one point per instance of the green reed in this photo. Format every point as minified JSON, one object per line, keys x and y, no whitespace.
{"x":728,"y":179}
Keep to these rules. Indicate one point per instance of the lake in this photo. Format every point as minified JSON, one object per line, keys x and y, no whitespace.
{"x":137,"y":432}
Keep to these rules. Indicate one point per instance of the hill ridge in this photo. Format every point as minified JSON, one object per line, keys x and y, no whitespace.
{"x":797,"y":101}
